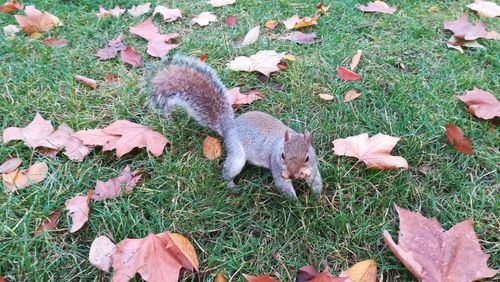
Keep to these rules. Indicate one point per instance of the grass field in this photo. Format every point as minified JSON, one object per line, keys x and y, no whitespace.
{"x":183,"y":192}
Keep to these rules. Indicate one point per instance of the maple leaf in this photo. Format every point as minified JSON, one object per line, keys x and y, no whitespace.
{"x":204,"y":19}
{"x":49,"y":223}
{"x":351,"y":95}
{"x":36,"y":134}
{"x":264,"y":62}
{"x":355,"y":60}
{"x":123,"y":183}
{"x":231,"y":21}
{"x":301,"y":38}
{"x":220,"y":3}
{"x":55,"y":42}
{"x":159,"y":48}
{"x":139,"y":10}
{"x":89,"y":82}
{"x":100,"y":253}
{"x":364,"y":271}
{"x":169,"y":15}
{"x":158,"y":44}
{"x":271,"y":24}
{"x":432,"y":254}
{"x":113,"y":47}
{"x":236,"y":98}
{"x":251,"y":36}
{"x":260,"y":278}
{"x":11,"y":6}
{"x":481,"y":103}
{"x":457,"y":139}
{"x":305,"y":22}
{"x":74,"y":149}
{"x":212,"y":148}
{"x":36,"y":20}
{"x":10,"y":165}
{"x":155,"y":258}
{"x":130,"y":56}
{"x":377,"y":7}
{"x":347,"y":75}
{"x":78,"y":209}
{"x":21,"y":179}
{"x":463,"y":29}
{"x":146,"y":29}
{"x":373,"y":151}
{"x":485,"y":8}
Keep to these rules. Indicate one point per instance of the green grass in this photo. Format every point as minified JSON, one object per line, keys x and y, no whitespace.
{"x":183,"y":192}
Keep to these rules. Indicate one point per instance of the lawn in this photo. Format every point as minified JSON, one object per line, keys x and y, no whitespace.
{"x":185,"y":193}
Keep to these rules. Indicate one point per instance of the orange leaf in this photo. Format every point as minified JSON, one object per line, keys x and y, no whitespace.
{"x":89,"y":82}
{"x":364,"y":271}
{"x":271,"y":24}
{"x":306,"y":21}
{"x":346,"y":74}
{"x":326,"y":97}
{"x":457,"y":139}
{"x":183,"y":250}
{"x":351,"y":95}
{"x":261,"y":278}
{"x":11,"y":6}
{"x":21,"y":179}
{"x":237,"y":98}
{"x":212,"y":148}
{"x":36,"y":20}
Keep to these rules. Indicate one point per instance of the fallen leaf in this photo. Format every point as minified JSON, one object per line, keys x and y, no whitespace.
{"x":36,"y":134}
{"x":204,"y":19}
{"x":321,"y":8}
{"x":290,"y":22}
{"x":481,"y":103}
{"x":220,"y":277}
{"x":373,"y":151}
{"x":10,"y":165}
{"x":264,"y":62}
{"x":139,"y":10}
{"x":261,"y":278}
{"x":306,"y":21}
{"x":463,"y":29}
{"x":364,"y":271}
{"x":159,"y":48}
{"x":236,"y":98}
{"x":158,"y":44}
{"x":251,"y":36}
{"x":110,"y":51}
{"x":130,"y":56}
{"x":306,"y":273}
{"x":9,"y":31}
{"x":432,"y":254}
{"x":36,"y":20}
{"x":485,"y":8}
{"x":169,"y":15}
{"x":183,"y":250}
{"x":111,"y":78}
{"x":355,"y":60}
{"x":351,"y":95}
{"x":347,"y":75}
{"x":146,"y":29}
{"x":377,"y":7}
{"x":115,"y":12}
{"x":203,"y":57}
{"x":301,"y":38}
{"x":55,"y":42}
{"x":492,"y":35}
{"x":49,"y":223}
{"x":325,"y":277}
{"x":74,"y":149}
{"x":11,"y":6}
{"x":101,"y":250}
{"x":231,"y":21}
{"x":289,"y":57}
{"x":124,"y":136}
{"x":326,"y":97}
{"x":457,"y":139}
{"x":212,"y":148}
{"x":114,"y":187}
{"x":457,"y":43}
{"x":78,"y":209}
{"x":271,"y":24}
{"x":21,"y":179}
{"x":89,"y":82}
{"x":220,"y":3}
{"x":153,"y":257}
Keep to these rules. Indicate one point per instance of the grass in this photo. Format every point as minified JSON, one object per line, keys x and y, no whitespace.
{"x":183,"y":192}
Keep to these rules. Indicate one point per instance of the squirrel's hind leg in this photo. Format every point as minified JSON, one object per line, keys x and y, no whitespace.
{"x":235,"y":161}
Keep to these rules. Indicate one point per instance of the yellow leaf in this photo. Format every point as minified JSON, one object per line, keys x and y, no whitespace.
{"x":364,"y":271}
{"x":289,"y":57}
{"x":181,"y":246}
{"x":220,"y":277}
{"x":36,"y":35}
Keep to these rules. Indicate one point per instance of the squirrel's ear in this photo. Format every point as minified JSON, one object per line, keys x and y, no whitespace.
{"x":287,"y":136}
{"x":307,"y":137}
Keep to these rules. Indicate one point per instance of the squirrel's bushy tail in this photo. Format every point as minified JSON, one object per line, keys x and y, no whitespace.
{"x":195,"y":86}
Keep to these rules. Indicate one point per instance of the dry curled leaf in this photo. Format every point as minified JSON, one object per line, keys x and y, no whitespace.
{"x":432,"y":254}
{"x":36,"y":20}
{"x":11,"y":6}
{"x":10,"y":165}
{"x":78,"y":209}
{"x":364,"y":271}
{"x":377,"y":7}
{"x":326,"y":97}
{"x":130,"y":56}
{"x":89,"y":82}
{"x":351,"y":95}
{"x":114,"y":46}
{"x":264,"y":62}
{"x":301,"y":38}
{"x":204,"y":19}
{"x":237,"y":98}
{"x":485,"y":8}
{"x":457,"y":139}
{"x":373,"y":151}
{"x":347,"y":75}
{"x":305,"y":22}
{"x":101,"y":250}
{"x":270,"y":24}
{"x":114,"y":187}
{"x":481,"y":103}
{"x":212,"y":148}
{"x":55,"y":42}
{"x":251,"y":36}
{"x":355,"y":60}
{"x":169,"y":15}
{"x":260,"y":278}
{"x":49,"y":223}
{"x":139,"y":10}
{"x":19,"y":179}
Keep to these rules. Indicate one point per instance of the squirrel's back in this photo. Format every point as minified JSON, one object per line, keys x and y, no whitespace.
{"x":195,"y":86}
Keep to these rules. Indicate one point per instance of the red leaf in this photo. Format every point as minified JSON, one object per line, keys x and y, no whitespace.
{"x":11,"y":6}
{"x":49,"y":223}
{"x":89,"y":82}
{"x":130,"y":56}
{"x":110,"y":51}
{"x":481,"y":103}
{"x":261,"y":278}
{"x":432,"y":254}
{"x":306,"y":273}
{"x":146,"y":29}
{"x":203,"y":57}
{"x":123,"y":183}
{"x":346,"y":74}
{"x":464,"y":30}
{"x":231,"y":21}
{"x":55,"y":42}
{"x":457,"y":139}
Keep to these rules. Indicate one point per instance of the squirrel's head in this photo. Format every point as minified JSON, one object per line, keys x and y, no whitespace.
{"x":296,"y":158}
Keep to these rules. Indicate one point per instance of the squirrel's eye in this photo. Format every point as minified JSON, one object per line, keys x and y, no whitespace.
{"x":307,"y":159}
{"x":283,"y":155}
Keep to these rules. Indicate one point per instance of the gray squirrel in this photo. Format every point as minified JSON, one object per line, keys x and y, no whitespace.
{"x":256,"y":137}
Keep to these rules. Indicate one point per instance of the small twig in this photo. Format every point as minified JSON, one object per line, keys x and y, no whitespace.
{"x":278,"y":258}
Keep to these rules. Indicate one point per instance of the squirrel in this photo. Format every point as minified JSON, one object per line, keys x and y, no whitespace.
{"x":254,"y":137}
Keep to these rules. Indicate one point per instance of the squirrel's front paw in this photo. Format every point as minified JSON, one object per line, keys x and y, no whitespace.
{"x":316,"y":190}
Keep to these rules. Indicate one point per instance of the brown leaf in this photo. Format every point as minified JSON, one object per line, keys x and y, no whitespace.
{"x":220,"y":3}
{"x":463,"y":29}
{"x":325,"y":277}
{"x":220,"y":277}
{"x":237,"y":98}
{"x":89,"y":82}
{"x":321,"y":8}
{"x":130,"y":56}
{"x":481,"y":103}
{"x":159,"y":48}
{"x":204,"y":19}
{"x":158,"y":44}
{"x":305,"y":22}
{"x":251,"y":36}
{"x":364,"y":271}
{"x":11,"y":6}
{"x":169,"y":15}
{"x":373,"y":151}
{"x":55,"y":42}
{"x":139,"y":10}
{"x":261,"y":278}
{"x":115,"y":12}
{"x":111,"y":78}
{"x":264,"y":62}
{"x":36,"y":134}
{"x":114,"y":187}
{"x":181,"y":248}
{"x":271,"y":24}
{"x":485,"y":8}
{"x":290,"y":22}
{"x":49,"y":223}
{"x":74,"y":149}
{"x":351,"y":95}
{"x":110,"y":51}
{"x":326,"y":97}
{"x":212,"y":148}
{"x":10,"y":165}
{"x":432,"y":254}
{"x":355,"y":60}
{"x":306,"y":273}
{"x":457,"y":139}
{"x":146,"y":29}
{"x":346,"y":74}
{"x":377,"y":7}
{"x":231,"y":21}
{"x":78,"y":209}
{"x":301,"y":38}
{"x":152,"y":257}
{"x":36,"y":20}
{"x":21,"y":179}
{"x":100,"y":253}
